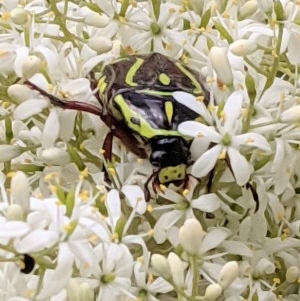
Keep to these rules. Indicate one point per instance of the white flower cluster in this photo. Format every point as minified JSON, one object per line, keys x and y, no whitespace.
{"x":74,"y":227}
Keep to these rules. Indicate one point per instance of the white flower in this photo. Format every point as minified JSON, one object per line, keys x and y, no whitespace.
{"x":148,"y":287}
{"x":113,"y":271}
{"x":181,"y":208}
{"x":162,"y":33}
{"x":227,"y":139}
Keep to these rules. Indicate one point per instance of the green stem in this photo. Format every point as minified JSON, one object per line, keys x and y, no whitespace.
{"x":194,"y":267}
{"x":271,"y":76}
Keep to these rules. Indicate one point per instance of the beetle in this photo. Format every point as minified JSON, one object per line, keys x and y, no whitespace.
{"x":136,"y":100}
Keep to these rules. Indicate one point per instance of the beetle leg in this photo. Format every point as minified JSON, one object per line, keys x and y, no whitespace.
{"x":107,"y":146}
{"x":146,"y":187}
{"x":117,"y":129}
{"x":120,"y":131}
{"x":65,"y":104}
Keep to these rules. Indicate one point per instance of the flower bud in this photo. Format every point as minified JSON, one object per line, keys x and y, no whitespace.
{"x":213,"y":291}
{"x":9,"y":152}
{"x":279,"y":12}
{"x":221,"y":65}
{"x":291,"y":115}
{"x":100,"y":44}
{"x":248,"y":9}
{"x":96,"y":19}
{"x":86,"y":293}
{"x":228,"y":274}
{"x":177,"y":269}
{"x":54,"y":156}
{"x":19,"y":93}
{"x":161,"y":266}
{"x":20,"y":190}
{"x":292,"y":274}
{"x":190,"y":236}
{"x":14,"y":212}
{"x":242,"y":47}
{"x":18,"y":15}
{"x":31,"y":65}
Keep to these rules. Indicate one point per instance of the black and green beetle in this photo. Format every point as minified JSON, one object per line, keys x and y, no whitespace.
{"x":135,"y":94}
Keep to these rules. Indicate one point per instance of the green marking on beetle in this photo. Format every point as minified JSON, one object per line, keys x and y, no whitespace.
{"x":198,"y":89}
{"x":172,"y":173}
{"x":164,"y":79}
{"x":102,"y":84}
{"x":143,"y":128}
{"x":132,"y":71}
{"x":154,"y":92}
{"x":169,"y":111}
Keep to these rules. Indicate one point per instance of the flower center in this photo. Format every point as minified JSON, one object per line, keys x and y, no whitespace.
{"x":226,"y":140}
{"x":155,"y":29}
{"x":107,"y":278}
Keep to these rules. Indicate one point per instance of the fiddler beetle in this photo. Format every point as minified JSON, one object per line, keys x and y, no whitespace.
{"x":136,"y":100}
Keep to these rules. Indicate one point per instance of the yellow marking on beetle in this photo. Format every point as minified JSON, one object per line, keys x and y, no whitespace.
{"x":169,"y":111}
{"x":198,"y":88}
{"x":164,"y":79}
{"x":138,"y":124}
{"x":172,"y":173}
{"x":132,"y":71}
{"x":102,"y":84}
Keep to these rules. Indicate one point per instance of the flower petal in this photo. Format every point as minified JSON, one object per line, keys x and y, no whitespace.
{"x":207,"y":203}
{"x":51,"y":130}
{"x":135,"y":197}
{"x":192,"y":103}
{"x":206,"y":162}
{"x":232,"y":110}
{"x":240,"y":166}
{"x":29,"y":108}
{"x":213,"y":239}
{"x":252,"y":139}
{"x":193,"y":129}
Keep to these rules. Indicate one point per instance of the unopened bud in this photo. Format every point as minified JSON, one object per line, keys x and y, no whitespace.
{"x":161,"y":266}
{"x":221,"y":65}
{"x":9,"y":152}
{"x":248,"y":9}
{"x":212,"y":292}
{"x":19,"y":93}
{"x":100,"y":44}
{"x":190,"y":236}
{"x":18,"y":15}
{"x":228,"y":274}
{"x":292,"y":274}
{"x":14,"y":212}
{"x":242,"y":47}
{"x":85,"y":293}
{"x":20,"y":190}
{"x":177,"y":269}
{"x":96,"y":19}
{"x":31,"y":65}
{"x":279,"y":12}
